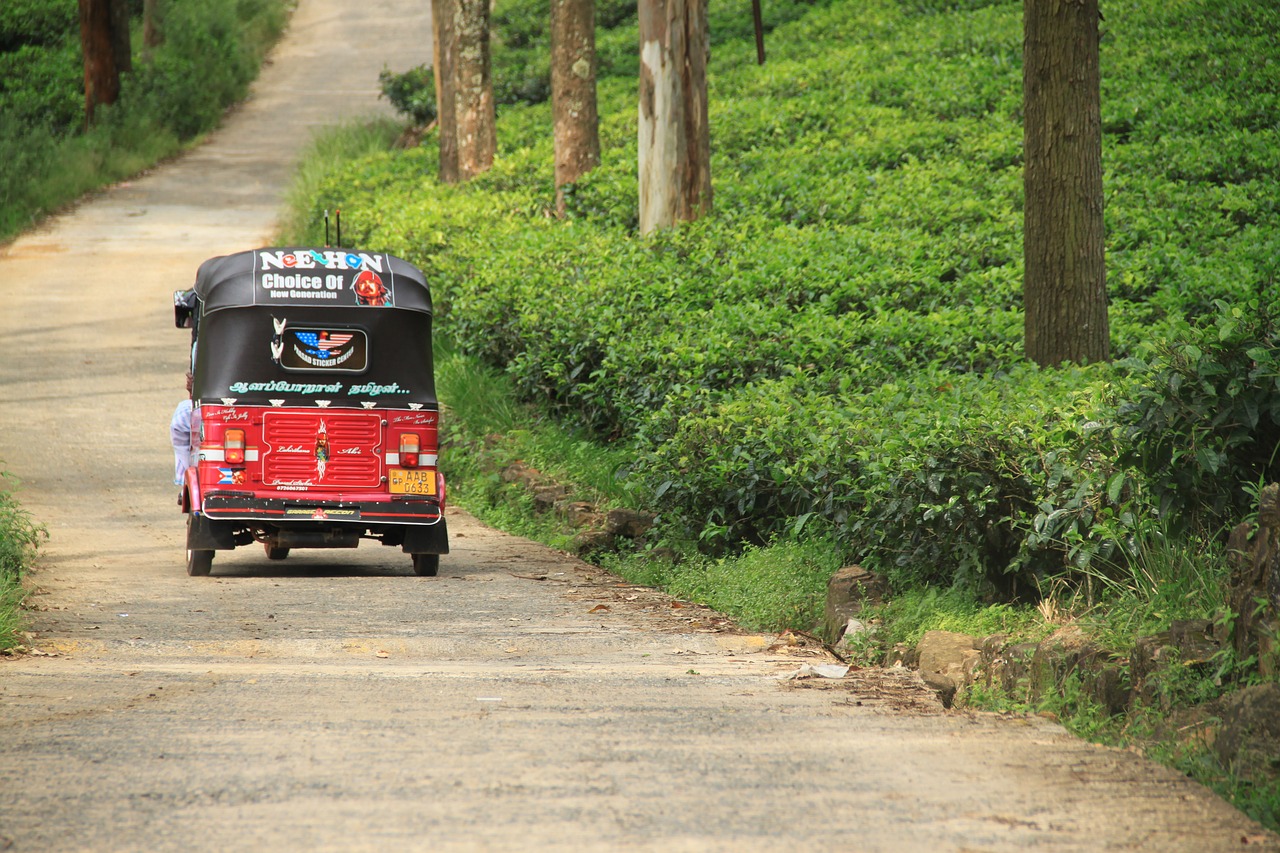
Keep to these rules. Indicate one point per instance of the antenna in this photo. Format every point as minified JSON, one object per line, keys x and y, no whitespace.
{"x":326,"y":228}
{"x":339,"y":216}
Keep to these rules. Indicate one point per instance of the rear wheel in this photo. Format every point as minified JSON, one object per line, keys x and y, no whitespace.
{"x":426,"y":565}
{"x":199,"y":563}
{"x":275,"y":553}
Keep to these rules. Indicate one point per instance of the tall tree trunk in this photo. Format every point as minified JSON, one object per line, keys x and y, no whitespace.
{"x":101,"y":74}
{"x":120,"y":45}
{"x":573,"y":92}
{"x":445,"y":47}
{"x":477,"y":135}
{"x":152,"y":37}
{"x":675,"y":140}
{"x":1065,"y":290}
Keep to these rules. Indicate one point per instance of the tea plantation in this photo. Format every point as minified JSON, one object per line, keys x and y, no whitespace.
{"x":837,"y":349}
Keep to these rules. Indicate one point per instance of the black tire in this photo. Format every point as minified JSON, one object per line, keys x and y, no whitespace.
{"x":275,"y":553}
{"x":426,"y":565}
{"x":199,"y":563}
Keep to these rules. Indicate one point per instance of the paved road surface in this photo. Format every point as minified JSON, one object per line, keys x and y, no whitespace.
{"x":338,"y":702}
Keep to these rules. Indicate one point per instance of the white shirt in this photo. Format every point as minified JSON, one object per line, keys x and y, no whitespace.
{"x":180,"y":437}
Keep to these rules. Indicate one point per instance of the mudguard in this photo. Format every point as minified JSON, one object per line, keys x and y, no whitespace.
{"x":206,"y":535}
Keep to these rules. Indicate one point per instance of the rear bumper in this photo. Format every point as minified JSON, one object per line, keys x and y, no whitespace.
{"x":250,"y":509}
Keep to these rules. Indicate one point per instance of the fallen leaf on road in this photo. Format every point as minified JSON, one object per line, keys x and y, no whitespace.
{"x":599,"y":608}
{"x":382,"y":654}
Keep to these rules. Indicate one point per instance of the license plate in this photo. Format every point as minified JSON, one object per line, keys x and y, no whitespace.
{"x":405,"y":482}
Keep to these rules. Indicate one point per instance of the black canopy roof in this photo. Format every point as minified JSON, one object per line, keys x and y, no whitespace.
{"x":266,"y":332}
{"x":316,"y":277}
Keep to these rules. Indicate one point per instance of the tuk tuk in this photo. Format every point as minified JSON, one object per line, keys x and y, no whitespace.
{"x":314,"y":414}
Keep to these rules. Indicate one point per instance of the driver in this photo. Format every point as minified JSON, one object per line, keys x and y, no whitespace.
{"x":180,"y":436}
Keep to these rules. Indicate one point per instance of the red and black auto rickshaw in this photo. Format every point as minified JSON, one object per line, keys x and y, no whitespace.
{"x":314,"y":413}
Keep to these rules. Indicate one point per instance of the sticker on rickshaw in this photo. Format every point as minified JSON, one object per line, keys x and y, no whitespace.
{"x":323,"y":276}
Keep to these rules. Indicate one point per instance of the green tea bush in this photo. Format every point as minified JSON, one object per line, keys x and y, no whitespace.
{"x":521,"y":51}
{"x":43,"y":23}
{"x":996,"y":481}
{"x":52,"y":92}
{"x":209,"y":57}
{"x":1204,"y":420}
{"x":412,"y":93}
{"x":837,"y":347}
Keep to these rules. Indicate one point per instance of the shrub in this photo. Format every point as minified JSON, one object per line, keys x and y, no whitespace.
{"x":1204,"y":420}
{"x":412,"y":93}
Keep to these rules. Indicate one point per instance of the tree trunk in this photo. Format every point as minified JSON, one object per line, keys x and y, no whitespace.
{"x":101,"y":74}
{"x":120,"y":45}
{"x":477,"y":136}
{"x":152,"y":37}
{"x":573,"y":92}
{"x":445,"y":47}
{"x":1064,"y":292}
{"x":675,"y":140}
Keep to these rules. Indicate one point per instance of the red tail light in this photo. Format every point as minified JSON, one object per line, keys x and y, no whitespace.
{"x":409,"y":446}
{"x":233,"y":446}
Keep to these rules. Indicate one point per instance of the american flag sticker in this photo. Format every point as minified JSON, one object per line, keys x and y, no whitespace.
{"x":325,"y":349}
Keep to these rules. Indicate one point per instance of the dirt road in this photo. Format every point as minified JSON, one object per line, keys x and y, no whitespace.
{"x":338,"y":702}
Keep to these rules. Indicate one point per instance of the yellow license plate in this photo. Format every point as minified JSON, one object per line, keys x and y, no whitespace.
{"x":405,"y":482}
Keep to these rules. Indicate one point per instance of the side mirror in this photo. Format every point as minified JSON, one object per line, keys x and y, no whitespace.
{"x":184,"y":307}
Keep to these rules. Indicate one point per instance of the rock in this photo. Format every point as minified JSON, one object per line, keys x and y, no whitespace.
{"x":1190,"y":642}
{"x":1015,"y":670}
{"x":856,"y":627}
{"x":628,"y":522}
{"x":1056,"y":657}
{"x":1255,"y":585}
{"x":518,"y":472}
{"x":848,"y":590}
{"x":1108,"y":684}
{"x":944,"y":685}
{"x":592,"y":541}
{"x":1248,"y":741}
{"x":946,"y":661}
{"x":901,"y":655}
{"x":545,"y":499}
{"x":581,"y":514}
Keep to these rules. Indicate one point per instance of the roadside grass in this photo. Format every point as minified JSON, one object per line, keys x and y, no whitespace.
{"x":766,"y":588}
{"x":19,"y":539}
{"x":484,"y":430}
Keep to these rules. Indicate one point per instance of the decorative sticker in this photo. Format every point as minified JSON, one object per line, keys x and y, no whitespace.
{"x":317,"y":348}
{"x":322,"y":451}
{"x":322,"y":276}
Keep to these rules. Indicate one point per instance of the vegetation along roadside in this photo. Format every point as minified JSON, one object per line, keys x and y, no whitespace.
{"x":196,"y":59}
{"x":199,"y":59}
{"x":20,"y":536}
{"x":827,"y":371}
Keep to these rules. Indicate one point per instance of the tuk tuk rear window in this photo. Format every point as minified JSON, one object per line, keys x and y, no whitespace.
{"x":320,"y":348}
